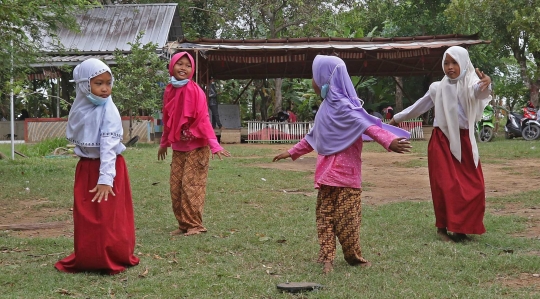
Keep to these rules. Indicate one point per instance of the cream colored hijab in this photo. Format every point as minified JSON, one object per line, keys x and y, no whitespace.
{"x":445,"y":95}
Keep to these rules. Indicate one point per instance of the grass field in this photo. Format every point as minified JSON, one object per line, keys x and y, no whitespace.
{"x":259,"y":236}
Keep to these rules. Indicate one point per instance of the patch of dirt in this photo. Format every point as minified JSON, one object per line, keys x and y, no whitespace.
{"x":531,"y":213}
{"x":529,"y":281}
{"x":386,"y":180}
{"x":26,"y":219}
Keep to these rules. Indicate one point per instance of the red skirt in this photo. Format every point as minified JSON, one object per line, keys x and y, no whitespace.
{"x":104,"y":232}
{"x":457,"y":189}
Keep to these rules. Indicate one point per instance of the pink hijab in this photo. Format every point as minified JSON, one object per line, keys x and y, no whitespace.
{"x":186,"y":105}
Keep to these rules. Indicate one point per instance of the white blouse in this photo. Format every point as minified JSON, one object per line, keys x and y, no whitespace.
{"x":110,"y":147}
{"x":426,"y":102}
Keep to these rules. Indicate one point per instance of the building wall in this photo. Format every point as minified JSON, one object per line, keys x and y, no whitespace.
{"x":38,"y":129}
{"x":5,"y":130}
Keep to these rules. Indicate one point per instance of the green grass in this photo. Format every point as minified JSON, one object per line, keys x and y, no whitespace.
{"x":259,"y":236}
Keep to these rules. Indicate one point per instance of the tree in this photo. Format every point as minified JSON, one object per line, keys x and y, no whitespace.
{"x":23,"y":26}
{"x":138,"y":79}
{"x":514,"y":28}
{"x":254,"y":19}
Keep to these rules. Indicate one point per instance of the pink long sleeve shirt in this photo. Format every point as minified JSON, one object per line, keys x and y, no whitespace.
{"x":190,"y":143}
{"x":343,"y":169}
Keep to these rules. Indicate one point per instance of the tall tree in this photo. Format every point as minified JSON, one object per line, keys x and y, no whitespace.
{"x":23,"y":26}
{"x":514,"y":28}
{"x":267,"y":19}
{"x":139,"y":77}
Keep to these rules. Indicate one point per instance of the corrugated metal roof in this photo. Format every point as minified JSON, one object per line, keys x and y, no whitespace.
{"x":60,"y":60}
{"x":292,"y":58}
{"x":110,"y":27}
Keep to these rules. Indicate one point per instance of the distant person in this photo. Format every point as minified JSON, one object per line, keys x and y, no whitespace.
{"x":24,"y":115}
{"x":314,"y":109}
{"x":187,"y":129}
{"x":103,"y":209}
{"x":337,"y":137}
{"x":213,"y":104}
{"x":375,"y":113}
{"x":389,"y":113}
{"x":292,"y":115}
{"x":455,"y":172}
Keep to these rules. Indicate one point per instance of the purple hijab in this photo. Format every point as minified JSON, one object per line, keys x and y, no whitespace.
{"x":340,"y":120}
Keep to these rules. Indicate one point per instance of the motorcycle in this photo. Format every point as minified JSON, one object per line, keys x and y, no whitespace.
{"x":519,"y":126}
{"x":485,"y":126}
{"x":530,"y":124}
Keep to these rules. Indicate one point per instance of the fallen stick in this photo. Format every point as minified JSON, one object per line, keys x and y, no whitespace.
{"x":33,"y":226}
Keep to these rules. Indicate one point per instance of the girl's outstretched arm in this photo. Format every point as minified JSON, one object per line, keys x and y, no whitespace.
{"x":301,"y":148}
{"x":281,"y":156}
{"x":400,"y":145}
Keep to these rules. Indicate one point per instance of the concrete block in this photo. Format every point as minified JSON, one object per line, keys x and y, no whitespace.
{"x":230,"y":136}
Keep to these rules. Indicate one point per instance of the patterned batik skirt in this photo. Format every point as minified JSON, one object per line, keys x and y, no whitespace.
{"x":189,"y":173}
{"x":339,"y":214}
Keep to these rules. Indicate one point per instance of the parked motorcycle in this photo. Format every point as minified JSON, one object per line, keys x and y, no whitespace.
{"x":485,"y":127}
{"x":519,"y":126}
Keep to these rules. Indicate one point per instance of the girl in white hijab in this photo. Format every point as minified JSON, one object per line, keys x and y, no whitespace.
{"x":455,"y":172}
{"x":104,"y":229}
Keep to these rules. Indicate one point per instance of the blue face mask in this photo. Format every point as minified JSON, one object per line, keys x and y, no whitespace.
{"x":324,"y":90}
{"x":178,"y":83}
{"x":98,"y":101}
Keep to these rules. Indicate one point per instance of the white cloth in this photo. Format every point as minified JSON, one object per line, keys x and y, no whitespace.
{"x":458,"y":103}
{"x":95,"y":130}
{"x":449,"y":92}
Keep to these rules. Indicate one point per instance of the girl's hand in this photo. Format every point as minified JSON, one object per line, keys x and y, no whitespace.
{"x":283,"y":155}
{"x":485,"y":80}
{"x":162,"y":153}
{"x":393,"y":122}
{"x":400,"y":145}
{"x":221,"y":152}
{"x":102,"y":192}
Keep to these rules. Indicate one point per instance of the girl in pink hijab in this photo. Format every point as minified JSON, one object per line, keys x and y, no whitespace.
{"x":187,"y":129}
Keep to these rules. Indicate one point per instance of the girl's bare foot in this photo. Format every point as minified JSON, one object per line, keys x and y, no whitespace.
{"x":462,"y":237}
{"x":443,"y":235}
{"x":327,"y":267}
{"x":178,"y":232}
{"x":366,"y":264}
{"x":194,"y":232}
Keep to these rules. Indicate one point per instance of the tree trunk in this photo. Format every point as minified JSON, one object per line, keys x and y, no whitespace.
{"x":130,"y":123}
{"x":533,"y":94}
{"x":279,"y":98}
{"x":254,"y":106}
{"x":64,"y":81}
{"x":399,"y":94}
{"x":54,"y":99}
{"x":264,"y":106}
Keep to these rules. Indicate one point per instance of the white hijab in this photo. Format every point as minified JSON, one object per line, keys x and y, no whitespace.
{"x":445,"y":95}
{"x":87,"y":123}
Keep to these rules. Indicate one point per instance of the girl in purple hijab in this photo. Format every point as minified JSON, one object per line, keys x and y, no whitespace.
{"x":337,"y":138}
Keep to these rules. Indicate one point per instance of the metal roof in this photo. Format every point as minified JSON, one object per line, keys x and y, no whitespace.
{"x":61,"y":60}
{"x":292,"y":58}
{"x":109,"y":27}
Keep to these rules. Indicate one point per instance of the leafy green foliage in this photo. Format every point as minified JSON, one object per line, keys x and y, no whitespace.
{"x":43,"y":148}
{"x":513,"y":28}
{"x":139,"y":77}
